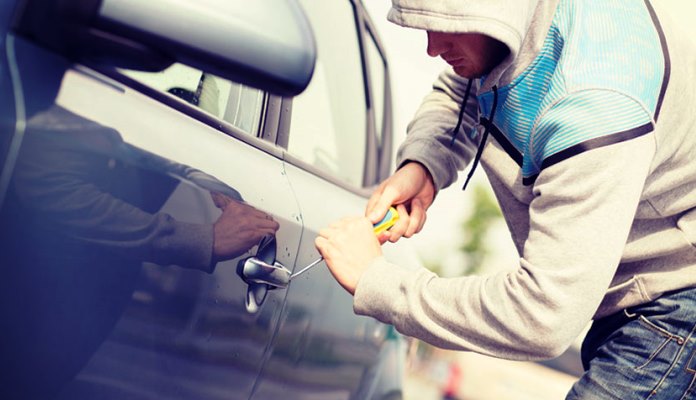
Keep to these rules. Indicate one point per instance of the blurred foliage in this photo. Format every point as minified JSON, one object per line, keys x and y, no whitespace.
{"x":485,"y":213}
{"x":475,"y":248}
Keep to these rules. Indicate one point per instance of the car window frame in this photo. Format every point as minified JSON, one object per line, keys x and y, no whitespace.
{"x":264,"y":139}
{"x":384,"y":154}
{"x":376,"y":165}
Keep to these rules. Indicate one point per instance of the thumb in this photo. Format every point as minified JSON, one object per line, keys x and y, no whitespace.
{"x":379,"y":208}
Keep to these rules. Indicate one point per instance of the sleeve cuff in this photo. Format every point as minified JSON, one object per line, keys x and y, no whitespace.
{"x":430,"y":156}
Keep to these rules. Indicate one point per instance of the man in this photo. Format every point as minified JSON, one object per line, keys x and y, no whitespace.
{"x":590,"y":106}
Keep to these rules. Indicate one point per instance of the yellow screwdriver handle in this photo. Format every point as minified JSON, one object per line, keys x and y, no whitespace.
{"x":387,"y":222}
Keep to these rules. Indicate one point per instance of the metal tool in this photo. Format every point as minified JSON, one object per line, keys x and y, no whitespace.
{"x":315,"y":262}
{"x":387,"y":222}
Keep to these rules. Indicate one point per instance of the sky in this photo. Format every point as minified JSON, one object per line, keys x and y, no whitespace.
{"x":412,"y":74}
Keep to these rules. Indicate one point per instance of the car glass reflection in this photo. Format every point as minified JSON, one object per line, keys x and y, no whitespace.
{"x":80,"y":218}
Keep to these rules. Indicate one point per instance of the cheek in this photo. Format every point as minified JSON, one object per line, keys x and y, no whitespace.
{"x":481,"y":64}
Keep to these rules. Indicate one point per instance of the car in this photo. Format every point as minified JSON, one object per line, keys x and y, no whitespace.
{"x":166,"y":167}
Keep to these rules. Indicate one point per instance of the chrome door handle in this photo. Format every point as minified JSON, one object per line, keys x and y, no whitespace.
{"x":262,"y":273}
{"x":258,"y":271}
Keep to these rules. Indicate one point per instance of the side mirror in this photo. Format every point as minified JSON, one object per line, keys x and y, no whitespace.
{"x":267,"y":44}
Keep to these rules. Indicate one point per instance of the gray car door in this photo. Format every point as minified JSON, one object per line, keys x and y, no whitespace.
{"x":111,"y":289}
{"x":323,"y":350}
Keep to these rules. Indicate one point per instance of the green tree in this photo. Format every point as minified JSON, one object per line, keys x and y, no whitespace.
{"x":485,"y":213}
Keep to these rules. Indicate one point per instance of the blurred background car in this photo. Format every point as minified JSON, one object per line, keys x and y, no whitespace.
{"x":165,"y":167}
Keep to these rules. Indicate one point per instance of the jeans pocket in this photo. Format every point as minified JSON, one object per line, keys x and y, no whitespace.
{"x":691,"y":364}
{"x":656,"y":341}
{"x":644,"y":343}
{"x":665,"y":337}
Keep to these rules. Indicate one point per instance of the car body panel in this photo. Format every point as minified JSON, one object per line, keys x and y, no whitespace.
{"x":113,"y":181}
{"x":316,"y":349}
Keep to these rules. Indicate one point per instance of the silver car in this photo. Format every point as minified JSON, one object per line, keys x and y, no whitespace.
{"x":166,"y":166}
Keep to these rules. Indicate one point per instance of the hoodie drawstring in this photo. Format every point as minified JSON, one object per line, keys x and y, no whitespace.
{"x":487,"y":126}
{"x":461,"y":112}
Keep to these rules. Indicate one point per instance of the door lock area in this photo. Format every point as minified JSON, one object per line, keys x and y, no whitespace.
{"x":257,"y":271}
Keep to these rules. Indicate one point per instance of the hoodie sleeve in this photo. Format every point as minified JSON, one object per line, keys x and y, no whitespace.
{"x":580,"y":218}
{"x":430,"y":132}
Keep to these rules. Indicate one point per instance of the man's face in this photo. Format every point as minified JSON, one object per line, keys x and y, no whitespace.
{"x":470,"y":54}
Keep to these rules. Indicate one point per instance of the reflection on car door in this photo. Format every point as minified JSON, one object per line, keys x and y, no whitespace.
{"x":322,"y":349}
{"x":111,"y":291}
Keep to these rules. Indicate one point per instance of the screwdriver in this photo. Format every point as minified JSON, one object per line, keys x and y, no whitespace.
{"x":387,"y":222}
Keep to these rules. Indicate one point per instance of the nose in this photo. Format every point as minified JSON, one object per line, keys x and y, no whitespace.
{"x":437,"y":43}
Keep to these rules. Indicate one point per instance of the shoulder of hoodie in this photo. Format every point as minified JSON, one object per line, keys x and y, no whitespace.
{"x":636,"y":51}
{"x":607,"y":62}
{"x":613,"y":46}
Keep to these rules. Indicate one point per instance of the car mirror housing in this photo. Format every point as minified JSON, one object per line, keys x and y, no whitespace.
{"x":267,"y":44}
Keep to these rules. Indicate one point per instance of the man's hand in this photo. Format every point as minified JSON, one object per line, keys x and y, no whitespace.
{"x":240,"y":227}
{"x":348,"y":246}
{"x":411,"y":190}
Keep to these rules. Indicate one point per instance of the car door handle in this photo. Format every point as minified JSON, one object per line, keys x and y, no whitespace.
{"x":258,"y":271}
{"x":262,"y":273}
{"x":263,"y":267}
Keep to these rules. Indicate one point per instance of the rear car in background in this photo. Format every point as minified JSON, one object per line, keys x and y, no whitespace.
{"x":134,"y":140}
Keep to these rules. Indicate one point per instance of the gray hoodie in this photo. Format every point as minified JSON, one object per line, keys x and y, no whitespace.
{"x":591,"y":159}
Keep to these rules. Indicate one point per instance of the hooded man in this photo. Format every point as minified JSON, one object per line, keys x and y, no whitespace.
{"x":582,"y":115}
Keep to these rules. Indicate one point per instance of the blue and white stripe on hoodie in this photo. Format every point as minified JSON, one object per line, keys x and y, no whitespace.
{"x":550,"y":112}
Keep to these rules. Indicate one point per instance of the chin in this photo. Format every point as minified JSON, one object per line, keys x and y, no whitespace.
{"x":467,"y":73}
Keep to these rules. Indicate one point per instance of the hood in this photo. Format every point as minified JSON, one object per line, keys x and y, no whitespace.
{"x":520,"y":24}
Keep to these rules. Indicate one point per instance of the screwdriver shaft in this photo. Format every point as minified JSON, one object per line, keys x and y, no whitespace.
{"x":315,"y":262}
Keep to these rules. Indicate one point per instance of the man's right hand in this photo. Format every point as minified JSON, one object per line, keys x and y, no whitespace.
{"x":411,"y":190}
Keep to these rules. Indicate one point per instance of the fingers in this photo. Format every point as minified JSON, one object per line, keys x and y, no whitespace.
{"x":417,"y":218}
{"x":383,"y":237}
{"x":270,"y":229}
{"x":241,"y":217}
{"x":322,"y":244}
{"x":327,"y":248}
{"x":379,"y":203}
{"x":326,"y":232}
{"x":399,"y":228}
{"x":405,"y":226}
{"x":348,"y":246}
{"x":216,"y":199}
{"x":409,"y":223}
{"x":341,"y":225}
{"x":422,"y":223}
{"x":267,"y":222}
{"x":374,"y":199}
{"x":408,"y":183}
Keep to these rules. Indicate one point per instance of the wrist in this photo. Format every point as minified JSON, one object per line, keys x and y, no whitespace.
{"x":422,"y":170}
{"x":425,"y":180}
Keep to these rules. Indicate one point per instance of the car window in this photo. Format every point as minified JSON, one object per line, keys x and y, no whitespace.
{"x":328,"y":126}
{"x":237,"y":104}
{"x":377,"y":70}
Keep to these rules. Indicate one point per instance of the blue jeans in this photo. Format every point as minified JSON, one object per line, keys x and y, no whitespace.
{"x":643,"y":352}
